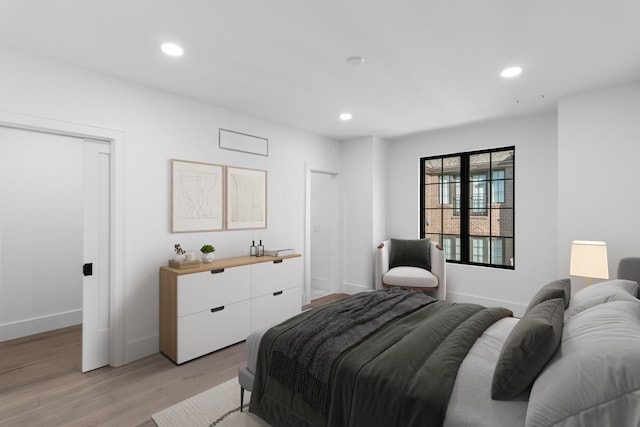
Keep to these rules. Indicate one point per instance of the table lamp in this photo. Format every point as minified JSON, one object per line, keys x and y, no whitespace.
{"x":589,"y":259}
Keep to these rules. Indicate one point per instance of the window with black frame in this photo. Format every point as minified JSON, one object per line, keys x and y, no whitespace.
{"x":467,"y":205}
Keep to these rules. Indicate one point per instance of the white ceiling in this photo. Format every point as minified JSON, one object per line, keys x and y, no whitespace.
{"x":428,"y":64}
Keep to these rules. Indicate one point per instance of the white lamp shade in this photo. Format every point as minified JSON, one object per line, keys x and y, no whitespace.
{"x":589,"y":259}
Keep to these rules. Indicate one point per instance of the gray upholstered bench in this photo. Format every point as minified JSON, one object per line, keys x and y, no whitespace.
{"x":246,"y":374}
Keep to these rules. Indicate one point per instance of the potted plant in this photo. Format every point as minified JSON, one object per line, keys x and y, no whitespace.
{"x":207,"y":253}
{"x":179,"y":257}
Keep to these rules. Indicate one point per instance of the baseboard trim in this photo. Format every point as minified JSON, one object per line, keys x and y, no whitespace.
{"x":142,"y":347}
{"x":517,"y":308}
{"x":350,"y":288}
{"x":36,"y":325}
{"x":320,"y":283}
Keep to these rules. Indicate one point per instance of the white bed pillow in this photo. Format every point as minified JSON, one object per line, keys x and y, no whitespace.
{"x":611,"y":290}
{"x":594,"y":377}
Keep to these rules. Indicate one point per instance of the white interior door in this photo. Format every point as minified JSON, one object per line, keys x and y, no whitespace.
{"x":96,"y":256}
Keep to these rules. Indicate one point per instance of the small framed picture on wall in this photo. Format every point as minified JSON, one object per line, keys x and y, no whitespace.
{"x":196,"y":196}
{"x":246,"y":198}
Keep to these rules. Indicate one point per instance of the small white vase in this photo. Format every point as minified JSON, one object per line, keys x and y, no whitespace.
{"x":179,"y":258}
{"x":208,"y":257}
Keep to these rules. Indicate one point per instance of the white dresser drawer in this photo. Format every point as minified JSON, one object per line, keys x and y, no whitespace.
{"x":206,"y":331}
{"x":270,"y":277}
{"x":274,"y":308}
{"x":202,"y":291}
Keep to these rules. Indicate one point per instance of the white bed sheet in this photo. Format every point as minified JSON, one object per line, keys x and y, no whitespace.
{"x":471,"y":403}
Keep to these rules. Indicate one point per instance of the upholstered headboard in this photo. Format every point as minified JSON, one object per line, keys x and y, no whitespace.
{"x":629,"y":268}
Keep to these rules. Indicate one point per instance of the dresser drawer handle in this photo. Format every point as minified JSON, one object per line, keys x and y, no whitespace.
{"x":275,"y":294}
{"x":213,"y":310}
{"x":217,"y":271}
{"x":277,"y":261}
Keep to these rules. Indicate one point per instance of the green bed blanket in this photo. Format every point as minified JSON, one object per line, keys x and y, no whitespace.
{"x":400,"y":374}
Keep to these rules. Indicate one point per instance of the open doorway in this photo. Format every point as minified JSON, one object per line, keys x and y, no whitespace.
{"x":54,"y":213}
{"x":40,"y":231}
{"x":43,"y":227}
{"x":322,"y":250}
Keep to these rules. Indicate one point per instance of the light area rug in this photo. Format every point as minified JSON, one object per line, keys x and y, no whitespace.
{"x":216,"y":407}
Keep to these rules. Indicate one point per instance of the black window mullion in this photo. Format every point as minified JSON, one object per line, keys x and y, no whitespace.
{"x":490,"y":207}
{"x":442,"y":206}
{"x":423,"y":206}
{"x":465,"y":212}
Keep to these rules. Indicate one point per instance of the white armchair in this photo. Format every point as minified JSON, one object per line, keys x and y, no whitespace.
{"x":434,"y":281}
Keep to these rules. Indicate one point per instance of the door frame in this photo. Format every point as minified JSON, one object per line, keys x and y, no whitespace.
{"x":309,"y":169}
{"x":115,"y":138}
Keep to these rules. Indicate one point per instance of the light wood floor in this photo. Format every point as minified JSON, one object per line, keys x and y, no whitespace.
{"x":41,"y":383}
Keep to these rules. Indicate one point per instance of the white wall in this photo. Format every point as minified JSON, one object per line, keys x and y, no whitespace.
{"x":157,"y":128}
{"x":364,"y":209}
{"x":379,"y":191}
{"x":41,"y":184}
{"x":599,"y":173}
{"x":357,"y":187}
{"x":535,"y":204}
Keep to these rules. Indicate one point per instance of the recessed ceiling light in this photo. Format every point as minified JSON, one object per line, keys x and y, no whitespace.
{"x":345,"y":117}
{"x":511,"y":72}
{"x":172,"y":49}
{"x":355,"y":60}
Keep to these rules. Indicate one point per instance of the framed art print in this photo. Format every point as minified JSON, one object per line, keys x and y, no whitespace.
{"x":196,"y":196}
{"x":246,"y":198}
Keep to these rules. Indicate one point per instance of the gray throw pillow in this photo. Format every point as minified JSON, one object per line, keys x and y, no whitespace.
{"x":556,"y":289}
{"x":527,"y":349}
{"x":410,"y":253}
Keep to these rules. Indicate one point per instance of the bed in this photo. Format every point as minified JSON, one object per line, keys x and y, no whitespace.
{"x":569,"y":361}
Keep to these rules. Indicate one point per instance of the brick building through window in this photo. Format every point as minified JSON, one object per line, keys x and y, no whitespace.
{"x":467,"y":205}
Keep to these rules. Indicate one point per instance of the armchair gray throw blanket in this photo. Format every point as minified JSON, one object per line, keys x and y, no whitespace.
{"x":383,"y":358}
